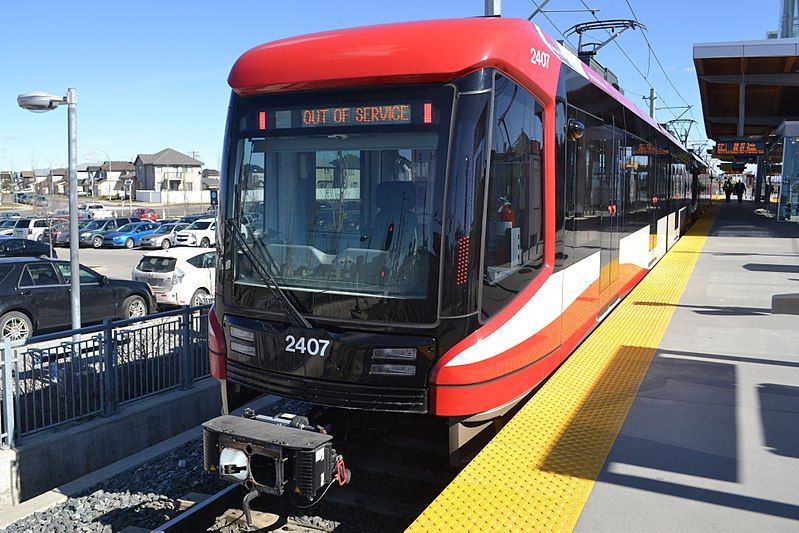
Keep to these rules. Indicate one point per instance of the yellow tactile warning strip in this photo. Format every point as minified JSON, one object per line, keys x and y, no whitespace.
{"x":538,"y":472}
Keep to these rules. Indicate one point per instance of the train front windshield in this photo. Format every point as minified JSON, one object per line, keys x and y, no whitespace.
{"x":341,"y":200}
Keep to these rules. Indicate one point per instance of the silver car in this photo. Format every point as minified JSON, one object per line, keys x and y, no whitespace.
{"x":7,"y":227}
{"x":163,"y":237}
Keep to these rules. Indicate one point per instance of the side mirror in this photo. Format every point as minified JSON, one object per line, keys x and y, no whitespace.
{"x":104,"y":280}
{"x":574,"y":129}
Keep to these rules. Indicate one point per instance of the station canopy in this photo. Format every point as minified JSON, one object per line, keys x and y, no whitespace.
{"x":748,"y":88}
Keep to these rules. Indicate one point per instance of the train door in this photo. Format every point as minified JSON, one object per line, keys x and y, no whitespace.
{"x":610,"y":211}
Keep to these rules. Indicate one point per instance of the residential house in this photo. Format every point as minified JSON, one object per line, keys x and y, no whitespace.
{"x":168,"y":170}
{"x":57,"y":181}
{"x":41,"y":180}
{"x":8,"y":179}
{"x":26,"y":180}
{"x":83,"y":177}
{"x":108,"y":178}
{"x":210,"y":180}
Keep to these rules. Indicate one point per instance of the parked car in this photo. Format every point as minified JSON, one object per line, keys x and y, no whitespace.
{"x":34,"y":297}
{"x":16,"y":247}
{"x":7,"y":227}
{"x":59,"y":232}
{"x":192,"y":218}
{"x":23,"y":197}
{"x":129,"y":235}
{"x":201,"y":233}
{"x":94,"y":210}
{"x":181,"y":276}
{"x":9,"y":214}
{"x":145,"y":213}
{"x":92,"y":233}
{"x":163,"y":237}
{"x":30,"y":228}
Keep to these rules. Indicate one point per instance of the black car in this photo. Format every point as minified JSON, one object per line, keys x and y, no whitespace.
{"x":35,"y":297}
{"x":16,"y":247}
{"x":188,"y":219}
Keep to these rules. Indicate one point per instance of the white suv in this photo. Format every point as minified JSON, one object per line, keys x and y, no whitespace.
{"x":30,"y":228}
{"x":179,"y":276}
{"x":202,"y":233}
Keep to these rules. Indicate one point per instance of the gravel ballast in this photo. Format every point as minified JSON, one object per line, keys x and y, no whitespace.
{"x":145,"y":496}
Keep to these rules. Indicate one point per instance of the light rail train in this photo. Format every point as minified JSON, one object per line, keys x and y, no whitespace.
{"x":429,"y":217}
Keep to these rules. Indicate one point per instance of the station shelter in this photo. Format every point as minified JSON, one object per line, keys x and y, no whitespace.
{"x":750,"y":105}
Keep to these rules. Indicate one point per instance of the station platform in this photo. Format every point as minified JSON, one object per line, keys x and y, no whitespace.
{"x":680,"y":412}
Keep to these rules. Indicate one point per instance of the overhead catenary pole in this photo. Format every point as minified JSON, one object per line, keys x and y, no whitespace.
{"x":493,"y":8}
{"x":652,"y":97}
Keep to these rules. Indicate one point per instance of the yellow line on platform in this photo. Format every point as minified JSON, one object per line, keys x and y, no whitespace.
{"x":538,"y":472}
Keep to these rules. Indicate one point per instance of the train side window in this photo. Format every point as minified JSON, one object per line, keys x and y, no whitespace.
{"x":513,"y":245}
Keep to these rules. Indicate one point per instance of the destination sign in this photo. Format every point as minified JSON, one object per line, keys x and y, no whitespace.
{"x":742,"y":147}
{"x":373,"y":114}
{"x":649,"y":149}
{"x":336,"y":116}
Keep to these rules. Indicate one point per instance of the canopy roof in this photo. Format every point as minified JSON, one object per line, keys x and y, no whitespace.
{"x":767,"y":69}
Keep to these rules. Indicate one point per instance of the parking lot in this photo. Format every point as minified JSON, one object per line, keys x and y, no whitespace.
{"x":112,"y":262}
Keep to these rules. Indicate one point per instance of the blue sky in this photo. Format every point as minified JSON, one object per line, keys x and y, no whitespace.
{"x":152,"y":74}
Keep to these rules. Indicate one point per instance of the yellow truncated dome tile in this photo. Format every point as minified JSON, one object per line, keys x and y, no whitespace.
{"x":538,"y":472}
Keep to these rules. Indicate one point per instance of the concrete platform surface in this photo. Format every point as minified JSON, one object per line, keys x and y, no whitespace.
{"x":711,"y":441}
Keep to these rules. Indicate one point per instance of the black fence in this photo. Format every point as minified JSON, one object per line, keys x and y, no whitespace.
{"x":58,"y":379}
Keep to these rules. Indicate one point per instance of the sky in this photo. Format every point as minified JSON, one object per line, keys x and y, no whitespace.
{"x":153,"y":74}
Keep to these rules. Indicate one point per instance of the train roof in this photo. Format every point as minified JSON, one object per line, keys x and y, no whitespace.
{"x":415,"y":52}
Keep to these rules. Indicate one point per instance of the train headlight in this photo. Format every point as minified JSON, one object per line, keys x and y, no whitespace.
{"x":402,"y":354}
{"x":392,"y":370}
{"x":242,"y":334}
{"x":242,"y":348}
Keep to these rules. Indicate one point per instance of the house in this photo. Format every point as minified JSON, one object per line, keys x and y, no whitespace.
{"x":41,"y":180}
{"x":108,"y":179}
{"x":210,"y":179}
{"x":168,"y":170}
{"x":57,"y":180}
{"x":26,"y":180}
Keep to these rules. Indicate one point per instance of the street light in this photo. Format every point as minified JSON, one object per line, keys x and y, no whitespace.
{"x":40,"y":102}
{"x":108,"y":173}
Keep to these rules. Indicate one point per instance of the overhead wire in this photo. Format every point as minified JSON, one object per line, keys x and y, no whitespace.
{"x":650,"y":53}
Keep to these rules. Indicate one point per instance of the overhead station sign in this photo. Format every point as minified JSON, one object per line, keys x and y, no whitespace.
{"x":739,"y":148}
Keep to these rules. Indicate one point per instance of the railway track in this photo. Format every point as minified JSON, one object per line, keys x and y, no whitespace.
{"x":398,"y":466}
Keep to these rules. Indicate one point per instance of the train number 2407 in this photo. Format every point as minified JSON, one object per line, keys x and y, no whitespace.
{"x":311,"y":346}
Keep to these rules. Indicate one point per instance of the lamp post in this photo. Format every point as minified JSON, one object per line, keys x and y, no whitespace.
{"x":41,"y":102}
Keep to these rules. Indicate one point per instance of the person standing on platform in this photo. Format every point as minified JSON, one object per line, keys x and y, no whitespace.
{"x":769,"y":190}
{"x":727,"y":188}
{"x":739,"y":191}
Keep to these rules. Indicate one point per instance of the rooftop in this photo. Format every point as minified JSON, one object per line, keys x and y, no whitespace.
{"x":168,"y":157}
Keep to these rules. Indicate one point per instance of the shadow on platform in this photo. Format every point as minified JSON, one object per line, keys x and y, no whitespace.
{"x":714,"y":310}
{"x":779,"y":412}
{"x":764,"y":267}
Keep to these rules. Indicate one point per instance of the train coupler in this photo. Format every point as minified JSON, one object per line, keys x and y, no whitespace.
{"x":272,"y":455}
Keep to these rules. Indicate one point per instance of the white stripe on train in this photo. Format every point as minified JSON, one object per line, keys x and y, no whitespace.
{"x":561,"y":290}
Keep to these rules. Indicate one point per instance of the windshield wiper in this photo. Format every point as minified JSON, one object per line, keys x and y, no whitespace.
{"x":291,"y":312}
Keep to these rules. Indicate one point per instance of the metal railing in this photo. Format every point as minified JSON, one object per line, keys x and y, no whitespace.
{"x":53,"y":380}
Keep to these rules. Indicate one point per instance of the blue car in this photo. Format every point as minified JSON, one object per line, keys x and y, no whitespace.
{"x":129,"y":235}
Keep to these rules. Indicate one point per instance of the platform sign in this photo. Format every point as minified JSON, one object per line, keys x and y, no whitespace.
{"x":740,"y":147}
{"x":732,"y":168}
